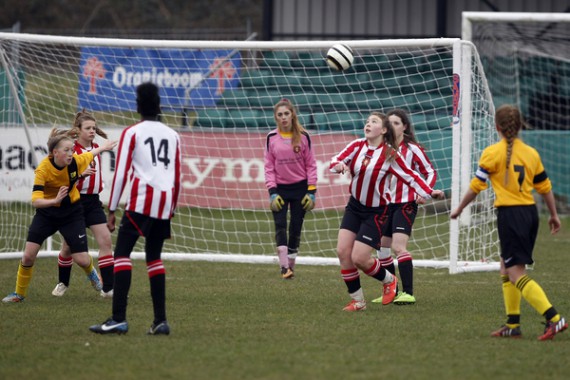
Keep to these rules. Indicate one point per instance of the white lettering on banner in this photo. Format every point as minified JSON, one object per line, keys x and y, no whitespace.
{"x":193,"y":165}
{"x":17,"y":170}
{"x":18,"y":157}
{"x":201,"y":169}
{"x":206,"y":169}
{"x":162,"y":78}
{"x":245,"y":166}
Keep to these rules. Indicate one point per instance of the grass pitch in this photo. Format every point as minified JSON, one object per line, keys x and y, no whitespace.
{"x":238,"y":321}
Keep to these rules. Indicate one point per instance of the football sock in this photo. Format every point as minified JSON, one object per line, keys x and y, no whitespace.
{"x":357,"y":295}
{"x":388,"y":278}
{"x":64,"y":269}
{"x":554,"y":319}
{"x":379,"y":273}
{"x":157,"y":277}
{"x":352,"y":279}
{"x":385,"y":256}
{"x":406,"y":268}
{"x":512,"y":298}
{"x":292,"y":255}
{"x":535,"y":296}
{"x":106,"y":267}
{"x":123,"y":274}
{"x":23,"y":279}
{"x":89,"y":268}
{"x":282,"y":255}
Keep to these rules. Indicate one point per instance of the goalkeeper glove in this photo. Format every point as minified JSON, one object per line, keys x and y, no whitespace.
{"x":276,"y":202}
{"x":308,"y":202}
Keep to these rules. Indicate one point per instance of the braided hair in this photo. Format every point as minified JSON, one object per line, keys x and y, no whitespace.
{"x":509,"y":122}
{"x":81,"y":117}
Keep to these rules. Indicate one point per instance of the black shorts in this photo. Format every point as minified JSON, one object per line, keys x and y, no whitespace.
{"x":401,"y":217}
{"x":134,"y":223}
{"x":68,"y":221}
{"x":292,"y":192}
{"x":93,"y":210}
{"x":366,"y":222}
{"x":518,"y":228}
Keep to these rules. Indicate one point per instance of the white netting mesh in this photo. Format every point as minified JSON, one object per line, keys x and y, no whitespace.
{"x":223,"y":110}
{"x":526,"y":58}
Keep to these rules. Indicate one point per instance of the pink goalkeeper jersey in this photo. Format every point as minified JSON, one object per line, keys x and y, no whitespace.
{"x":285,"y":165}
{"x":370,"y":173}
{"x":149,"y":156}
{"x":416,"y":158}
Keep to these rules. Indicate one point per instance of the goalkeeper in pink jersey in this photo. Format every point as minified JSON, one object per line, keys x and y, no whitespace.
{"x":291,"y":179}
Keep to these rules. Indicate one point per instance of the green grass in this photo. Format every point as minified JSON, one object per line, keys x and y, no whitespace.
{"x":238,"y":321}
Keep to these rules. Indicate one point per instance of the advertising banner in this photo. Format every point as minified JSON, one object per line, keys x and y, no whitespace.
{"x":108,"y":76}
{"x":219,"y":170}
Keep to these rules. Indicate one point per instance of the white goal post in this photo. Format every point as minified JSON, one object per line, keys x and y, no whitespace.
{"x":223,"y":118}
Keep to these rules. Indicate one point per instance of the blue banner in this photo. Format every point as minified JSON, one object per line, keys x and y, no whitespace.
{"x":190,"y":79}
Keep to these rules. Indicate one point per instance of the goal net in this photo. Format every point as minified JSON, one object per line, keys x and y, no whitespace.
{"x":526,"y":57}
{"x":220,"y":97}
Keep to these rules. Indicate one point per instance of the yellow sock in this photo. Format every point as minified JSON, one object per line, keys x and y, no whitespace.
{"x":23,"y":279}
{"x":533,"y":293}
{"x":89,"y":267}
{"x":512,"y":298}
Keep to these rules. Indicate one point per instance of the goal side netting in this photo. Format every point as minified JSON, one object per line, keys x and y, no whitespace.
{"x":526,"y":58}
{"x":219,"y":95}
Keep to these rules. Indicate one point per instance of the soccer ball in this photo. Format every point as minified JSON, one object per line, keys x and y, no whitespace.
{"x":339,"y":57}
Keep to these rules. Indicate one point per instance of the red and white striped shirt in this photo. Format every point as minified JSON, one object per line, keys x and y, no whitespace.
{"x":92,"y":184}
{"x":370,"y":171}
{"x":416,"y":158}
{"x":149,"y":156}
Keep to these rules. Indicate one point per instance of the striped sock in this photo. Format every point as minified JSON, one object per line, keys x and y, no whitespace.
{"x":64,"y":265}
{"x":351,"y":278}
{"x":106,"y":267}
{"x":157,"y":278}
{"x":534,"y":295}
{"x":123,"y":275}
{"x":379,"y":273}
{"x":512,"y":298}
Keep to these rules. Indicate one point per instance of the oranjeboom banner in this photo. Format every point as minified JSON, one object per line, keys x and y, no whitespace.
{"x":186,"y":78}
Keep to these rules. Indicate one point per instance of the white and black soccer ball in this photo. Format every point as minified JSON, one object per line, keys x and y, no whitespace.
{"x":340,"y":57}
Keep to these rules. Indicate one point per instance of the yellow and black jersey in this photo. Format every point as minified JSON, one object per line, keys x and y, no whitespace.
{"x":49,"y":178}
{"x":525,"y":174}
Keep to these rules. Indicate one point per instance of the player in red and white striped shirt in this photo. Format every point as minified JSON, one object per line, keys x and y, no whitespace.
{"x":403,"y":208}
{"x":370,"y":161}
{"x":90,"y":184}
{"x":149,"y":156}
